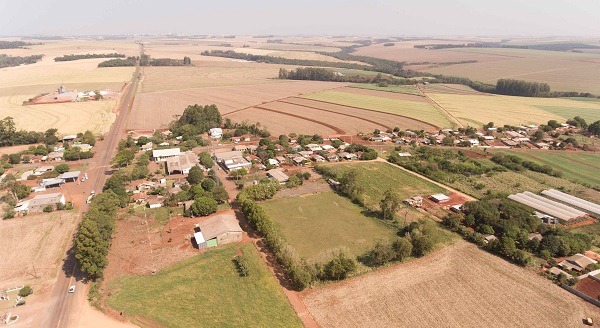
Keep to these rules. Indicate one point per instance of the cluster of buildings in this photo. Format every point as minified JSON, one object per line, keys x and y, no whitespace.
{"x":62,"y":95}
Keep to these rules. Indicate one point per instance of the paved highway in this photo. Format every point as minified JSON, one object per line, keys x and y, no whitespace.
{"x":65,"y":308}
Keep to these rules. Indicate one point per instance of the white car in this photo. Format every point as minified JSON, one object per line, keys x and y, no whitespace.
{"x":72,"y":289}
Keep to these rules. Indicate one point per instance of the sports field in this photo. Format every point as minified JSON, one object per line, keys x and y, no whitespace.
{"x":206,"y":290}
{"x":317,"y":225}
{"x":411,"y":106}
{"x":478,"y":110}
{"x":581,"y":167}
{"x":375,"y":178}
{"x":458,"y":286}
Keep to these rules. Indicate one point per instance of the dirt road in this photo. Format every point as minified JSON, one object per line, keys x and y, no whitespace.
{"x":65,"y":308}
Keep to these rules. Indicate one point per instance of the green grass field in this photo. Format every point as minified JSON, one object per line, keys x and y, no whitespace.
{"x":377,"y":177}
{"x":406,"y":89}
{"x":316,"y":225}
{"x":589,"y":114}
{"x":581,"y":167}
{"x":206,"y":290}
{"x":415,"y":109}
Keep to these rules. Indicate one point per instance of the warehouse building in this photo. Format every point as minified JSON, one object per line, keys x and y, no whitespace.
{"x":548,"y":206}
{"x":576,"y":202}
{"x":39,"y":202}
{"x":160,"y":155}
{"x":220,"y":229}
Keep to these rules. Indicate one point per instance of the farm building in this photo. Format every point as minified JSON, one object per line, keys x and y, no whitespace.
{"x":51,"y":183}
{"x":155,"y":201}
{"x":439,"y":198}
{"x":216,"y":133}
{"x":545,"y":205}
{"x":232,"y":160}
{"x":146,"y":147}
{"x":577,"y":262}
{"x":556,"y":271}
{"x":55,"y":156}
{"x":43,"y":169}
{"x":69,"y":137}
{"x":220,"y":229}
{"x":278,"y":175}
{"x":83,"y":147}
{"x":160,"y":155}
{"x":576,"y":202}
{"x":39,"y":202}
{"x":405,"y":154}
{"x":182,"y":163}
{"x":69,"y":176}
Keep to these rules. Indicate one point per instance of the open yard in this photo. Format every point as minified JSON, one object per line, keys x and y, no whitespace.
{"x":375,"y":178}
{"x":206,"y":290}
{"x":401,"y":104}
{"x":33,"y":247}
{"x":458,"y":286}
{"x":478,"y":110}
{"x":316,"y":225}
{"x":581,"y":167}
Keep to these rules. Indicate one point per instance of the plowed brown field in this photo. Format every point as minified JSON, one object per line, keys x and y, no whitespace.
{"x":459,"y":286}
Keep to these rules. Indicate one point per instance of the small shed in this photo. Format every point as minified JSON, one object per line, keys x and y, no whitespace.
{"x":222,"y":228}
{"x":439,"y":198}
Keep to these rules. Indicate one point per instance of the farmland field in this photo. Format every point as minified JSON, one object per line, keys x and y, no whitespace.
{"x":564,"y":71}
{"x":409,"y":54}
{"x":411,"y":106}
{"x":458,"y":286}
{"x":377,"y":177}
{"x":206,"y":290}
{"x":316,"y":225}
{"x":407,"y":89}
{"x":277,"y":123}
{"x":578,"y":167}
{"x":477,"y":110}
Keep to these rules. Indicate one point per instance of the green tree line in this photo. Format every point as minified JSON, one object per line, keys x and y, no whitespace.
{"x":10,"y":61}
{"x":87,"y":56}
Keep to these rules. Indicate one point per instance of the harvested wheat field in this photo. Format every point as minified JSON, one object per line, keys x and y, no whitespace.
{"x":35,"y":240}
{"x":416,"y":55}
{"x":156,"y":109}
{"x":458,"y":286}
{"x":278,"y":123}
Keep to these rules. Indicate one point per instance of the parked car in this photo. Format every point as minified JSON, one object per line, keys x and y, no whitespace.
{"x":72,"y":289}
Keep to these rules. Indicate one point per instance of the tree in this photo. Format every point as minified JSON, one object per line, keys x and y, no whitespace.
{"x":220,"y":194}
{"x":422,"y":245}
{"x":538,"y":135}
{"x":195,"y":176}
{"x":390,"y":204}
{"x":25,"y":291}
{"x":339,"y":268}
{"x":61,"y":168}
{"x":208,"y":184}
{"x":187,"y":61}
{"x":578,"y":122}
{"x":205,"y":160}
{"x":380,"y":254}
{"x":403,"y":248}
{"x":90,"y":249}
{"x":124,"y":157}
{"x":594,"y":128}
{"x":553,"y":124}
{"x":203,"y":206}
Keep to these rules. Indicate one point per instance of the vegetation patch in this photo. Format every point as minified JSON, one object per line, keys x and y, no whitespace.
{"x":589,"y":114}
{"x":207,"y":290}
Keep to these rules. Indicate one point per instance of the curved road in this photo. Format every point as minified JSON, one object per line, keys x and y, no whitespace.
{"x":65,"y":307}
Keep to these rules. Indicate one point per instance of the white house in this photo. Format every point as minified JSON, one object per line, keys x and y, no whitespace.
{"x":160,"y":155}
{"x":215,"y":133}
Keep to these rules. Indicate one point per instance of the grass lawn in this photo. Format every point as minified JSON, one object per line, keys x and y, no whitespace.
{"x":581,"y":167}
{"x":593,"y":230}
{"x":415,"y":109}
{"x":207,"y":290}
{"x":406,"y":89}
{"x":317,"y":224}
{"x":377,"y":177}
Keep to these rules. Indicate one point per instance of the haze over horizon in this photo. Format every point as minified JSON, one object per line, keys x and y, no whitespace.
{"x":334,"y":17}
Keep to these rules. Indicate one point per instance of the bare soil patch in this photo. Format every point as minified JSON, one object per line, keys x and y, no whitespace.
{"x":589,"y":286}
{"x":458,"y":286}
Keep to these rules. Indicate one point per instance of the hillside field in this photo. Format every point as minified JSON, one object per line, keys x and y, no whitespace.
{"x":206,"y":290}
{"x":317,"y":225}
{"x":458,"y":286}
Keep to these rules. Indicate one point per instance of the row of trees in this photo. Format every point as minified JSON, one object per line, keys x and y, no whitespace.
{"x":522,"y":88}
{"x":16,"y":44}
{"x":72,"y":57}
{"x":515,"y":163}
{"x":10,"y":61}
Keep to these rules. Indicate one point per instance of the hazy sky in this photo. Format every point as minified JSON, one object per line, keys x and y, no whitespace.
{"x":333,"y":17}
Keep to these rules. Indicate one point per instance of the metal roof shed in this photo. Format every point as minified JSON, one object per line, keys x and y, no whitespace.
{"x":572,"y":200}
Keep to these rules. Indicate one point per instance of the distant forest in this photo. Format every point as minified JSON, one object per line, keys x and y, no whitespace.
{"x":87,"y":56}
{"x":16,"y":44}
{"x":145,"y":60}
{"x":10,"y":61}
{"x":561,"y":46}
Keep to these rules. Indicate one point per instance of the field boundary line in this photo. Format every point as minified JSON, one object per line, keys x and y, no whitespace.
{"x":435,"y":127}
{"x":334,"y":112}
{"x":440,"y":107}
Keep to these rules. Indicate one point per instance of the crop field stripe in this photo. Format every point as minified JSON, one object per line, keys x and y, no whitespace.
{"x":333,"y":127}
{"x":434,"y":127}
{"x":334,"y":112}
